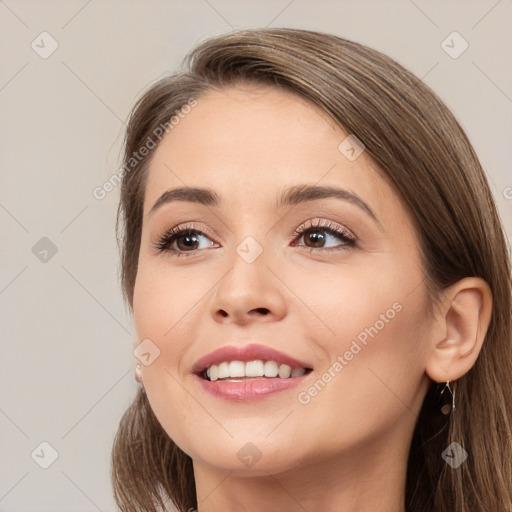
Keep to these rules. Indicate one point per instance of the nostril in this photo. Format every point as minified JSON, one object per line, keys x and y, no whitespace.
{"x":263,"y":311}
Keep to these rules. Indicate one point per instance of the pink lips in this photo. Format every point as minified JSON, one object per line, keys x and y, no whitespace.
{"x":246,"y":353}
{"x":247,"y":389}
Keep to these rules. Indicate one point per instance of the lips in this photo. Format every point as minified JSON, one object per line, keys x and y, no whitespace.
{"x":235,"y":373}
{"x":246,"y":354}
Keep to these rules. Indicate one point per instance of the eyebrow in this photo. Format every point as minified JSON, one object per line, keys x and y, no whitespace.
{"x":292,"y":196}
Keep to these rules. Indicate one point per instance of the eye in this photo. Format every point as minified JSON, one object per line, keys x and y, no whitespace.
{"x":182,"y":240}
{"x":317,"y":235}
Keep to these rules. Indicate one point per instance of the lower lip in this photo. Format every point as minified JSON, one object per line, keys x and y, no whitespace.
{"x":249,"y":389}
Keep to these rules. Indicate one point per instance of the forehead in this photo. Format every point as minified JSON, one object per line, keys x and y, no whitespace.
{"x":250,"y":125}
{"x":250,"y":142}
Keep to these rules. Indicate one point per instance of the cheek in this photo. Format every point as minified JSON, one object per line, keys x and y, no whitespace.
{"x":374,"y":351}
{"x":382,"y":319}
{"x":374,"y":378}
{"x":169,"y":307}
{"x":378,"y":305}
{"x":160,"y":307}
{"x":163,"y":299}
{"x":157,"y":312}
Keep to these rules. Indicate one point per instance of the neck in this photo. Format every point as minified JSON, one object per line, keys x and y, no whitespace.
{"x":370,"y":478}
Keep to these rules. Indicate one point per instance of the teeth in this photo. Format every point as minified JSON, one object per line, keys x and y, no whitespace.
{"x":236,"y":369}
{"x":285,"y":371}
{"x":297,"y":372}
{"x":271,"y":369}
{"x":252,"y":369}
{"x":214,"y":372}
{"x":223,"y":370}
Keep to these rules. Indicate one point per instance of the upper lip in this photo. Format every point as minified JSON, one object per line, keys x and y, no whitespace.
{"x":246,"y":353}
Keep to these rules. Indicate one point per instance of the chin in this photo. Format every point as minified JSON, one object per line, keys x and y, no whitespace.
{"x":249,"y":459}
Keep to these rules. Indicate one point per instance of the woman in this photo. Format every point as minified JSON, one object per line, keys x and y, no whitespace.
{"x":320,"y":287}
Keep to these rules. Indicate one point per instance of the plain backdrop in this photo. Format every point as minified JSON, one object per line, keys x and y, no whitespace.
{"x":66,"y":372}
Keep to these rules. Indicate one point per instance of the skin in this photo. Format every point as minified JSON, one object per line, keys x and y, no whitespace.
{"x":347,"y":448}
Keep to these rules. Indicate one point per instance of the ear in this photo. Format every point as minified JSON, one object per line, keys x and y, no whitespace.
{"x":461,"y":325}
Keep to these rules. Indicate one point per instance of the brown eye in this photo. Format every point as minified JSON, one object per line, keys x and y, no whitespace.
{"x":181,"y":241}
{"x":317,"y":237}
{"x":187,"y":241}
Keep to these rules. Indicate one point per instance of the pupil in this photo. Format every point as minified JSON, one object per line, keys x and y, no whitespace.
{"x":189,"y":240}
{"x":316,"y":237}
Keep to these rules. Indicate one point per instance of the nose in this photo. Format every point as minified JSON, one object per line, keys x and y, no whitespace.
{"x":248,"y":293}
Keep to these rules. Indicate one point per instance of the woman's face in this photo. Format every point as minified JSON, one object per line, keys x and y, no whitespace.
{"x":326,"y":289}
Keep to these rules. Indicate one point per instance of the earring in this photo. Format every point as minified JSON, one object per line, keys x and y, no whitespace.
{"x":448,"y":408}
{"x":138,"y":375}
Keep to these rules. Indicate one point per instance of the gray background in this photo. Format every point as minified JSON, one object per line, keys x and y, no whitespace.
{"x":66,"y":372}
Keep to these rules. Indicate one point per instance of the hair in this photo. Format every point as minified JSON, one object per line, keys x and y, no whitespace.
{"x":423,"y":151}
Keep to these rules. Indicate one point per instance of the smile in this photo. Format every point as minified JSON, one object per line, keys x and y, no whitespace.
{"x":247,"y":372}
{"x":234,"y":371}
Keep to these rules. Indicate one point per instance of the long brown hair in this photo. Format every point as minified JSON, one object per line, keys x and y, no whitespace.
{"x":425,"y":154}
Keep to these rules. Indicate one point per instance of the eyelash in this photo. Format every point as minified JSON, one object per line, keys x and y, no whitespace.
{"x":348,"y":239}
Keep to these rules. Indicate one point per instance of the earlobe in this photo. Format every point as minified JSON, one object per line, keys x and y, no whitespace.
{"x":463,"y":320}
